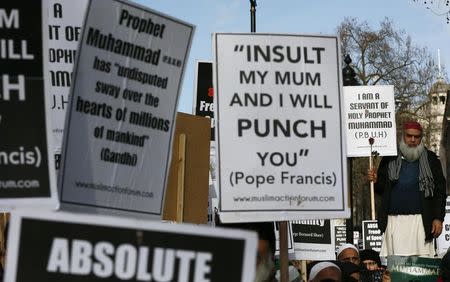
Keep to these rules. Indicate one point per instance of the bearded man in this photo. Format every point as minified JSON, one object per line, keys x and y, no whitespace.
{"x":413,"y":192}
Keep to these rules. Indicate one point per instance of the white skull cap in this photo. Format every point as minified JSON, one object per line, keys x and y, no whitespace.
{"x":319,"y":267}
{"x":346,"y":246}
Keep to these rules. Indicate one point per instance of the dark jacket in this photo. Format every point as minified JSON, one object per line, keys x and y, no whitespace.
{"x":432,"y":208}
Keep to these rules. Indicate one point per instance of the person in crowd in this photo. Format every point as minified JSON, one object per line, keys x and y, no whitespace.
{"x":293,"y":274}
{"x":348,"y":253}
{"x":265,"y":265}
{"x":370,"y":259}
{"x":298,"y":266}
{"x":350,"y":271}
{"x":265,"y":260}
{"x":370,"y":264}
{"x":412,"y":190}
{"x":324,"y":271}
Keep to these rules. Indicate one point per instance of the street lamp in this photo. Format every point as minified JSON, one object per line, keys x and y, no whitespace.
{"x":253,"y":15}
{"x":348,"y":73}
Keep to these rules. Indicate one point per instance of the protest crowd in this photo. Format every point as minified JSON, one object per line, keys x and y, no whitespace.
{"x":110,"y":183}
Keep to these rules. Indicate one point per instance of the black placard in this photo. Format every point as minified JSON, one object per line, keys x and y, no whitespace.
{"x":37,"y":248}
{"x":312,"y":231}
{"x":204,"y":105}
{"x":372,"y":236}
{"x":23,"y":133}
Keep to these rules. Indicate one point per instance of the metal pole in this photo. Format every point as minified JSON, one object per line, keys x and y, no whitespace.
{"x":253,"y":15}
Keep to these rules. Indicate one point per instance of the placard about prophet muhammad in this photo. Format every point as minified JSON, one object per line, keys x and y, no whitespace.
{"x":120,"y":124}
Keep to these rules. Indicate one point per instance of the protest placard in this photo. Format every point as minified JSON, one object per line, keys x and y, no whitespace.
{"x":370,"y":113}
{"x":340,"y":236}
{"x":280,"y":147}
{"x":290,"y":240}
{"x":413,"y":268}
{"x":204,"y":93}
{"x":443,"y":241}
{"x":313,"y":239}
{"x":119,"y":127}
{"x":71,"y":247}
{"x":187,"y":192}
{"x":204,"y":106}
{"x":26,"y":157}
{"x":62,"y":34}
{"x":371,"y":235}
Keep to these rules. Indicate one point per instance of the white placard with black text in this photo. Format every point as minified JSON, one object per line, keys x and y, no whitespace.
{"x":443,"y":241}
{"x":314,"y":239}
{"x":118,"y":138}
{"x":279,"y":130}
{"x":63,"y":32}
{"x":290,"y":240}
{"x":370,"y":113}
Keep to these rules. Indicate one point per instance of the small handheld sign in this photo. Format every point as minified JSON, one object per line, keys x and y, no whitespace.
{"x":371,"y":235}
{"x":313,"y":239}
{"x":370,"y":113}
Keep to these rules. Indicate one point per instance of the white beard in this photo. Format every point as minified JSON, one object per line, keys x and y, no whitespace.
{"x":264,"y":269}
{"x":411,"y":154}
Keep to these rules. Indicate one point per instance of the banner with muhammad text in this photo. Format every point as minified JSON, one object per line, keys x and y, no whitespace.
{"x":71,"y":247}
{"x":62,"y":33}
{"x":370,"y":113}
{"x":413,"y":268}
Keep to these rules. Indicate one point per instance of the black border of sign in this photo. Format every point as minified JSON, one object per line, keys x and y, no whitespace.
{"x":217,"y":94}
{"x":69,"y":114}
